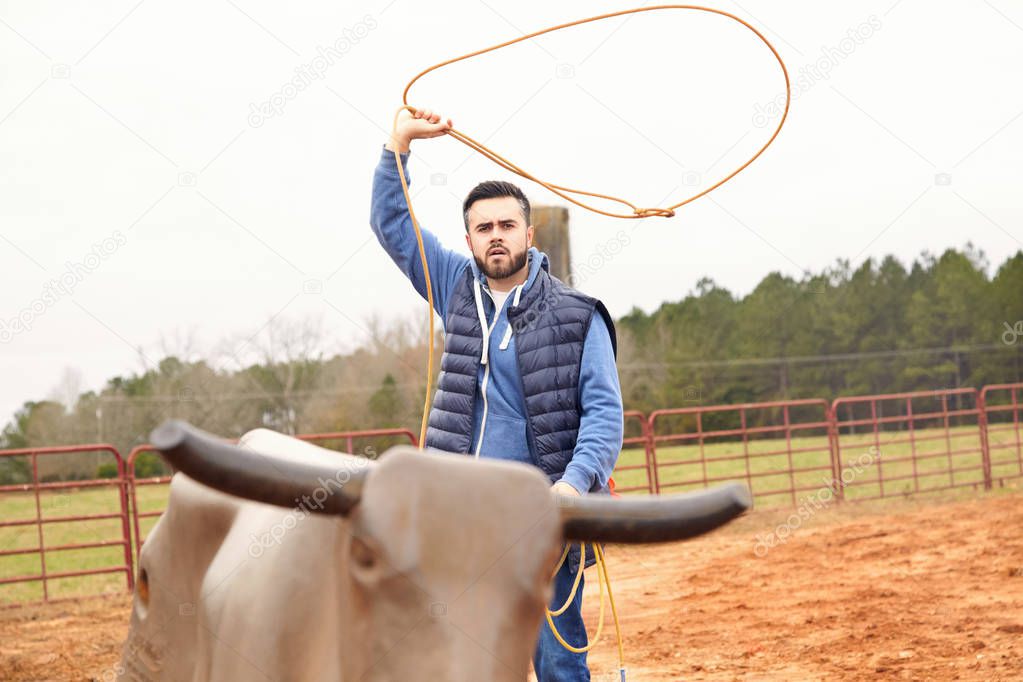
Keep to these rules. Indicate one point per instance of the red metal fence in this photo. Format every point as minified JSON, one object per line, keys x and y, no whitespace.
{"x":778,"y":448}
{"x":1001,"y":407}
{"x":903,"y":443}
{"x":46,"y":499}
{"x":53,"y":497}
{"x":856,"y":448}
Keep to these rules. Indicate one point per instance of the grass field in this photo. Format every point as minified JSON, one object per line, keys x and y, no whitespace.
{"x":771,"y":466}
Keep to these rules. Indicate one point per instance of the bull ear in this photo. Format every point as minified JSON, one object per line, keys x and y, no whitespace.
{"x":658,"y":518}
{"x":261,"y":477}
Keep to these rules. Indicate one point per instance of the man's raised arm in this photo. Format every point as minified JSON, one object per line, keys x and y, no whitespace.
{"x":390,"y":219}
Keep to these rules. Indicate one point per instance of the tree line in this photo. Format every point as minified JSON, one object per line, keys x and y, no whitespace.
{"x":880,"y":328}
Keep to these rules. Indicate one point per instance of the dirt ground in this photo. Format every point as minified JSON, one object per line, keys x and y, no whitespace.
{"x":906,"y":590}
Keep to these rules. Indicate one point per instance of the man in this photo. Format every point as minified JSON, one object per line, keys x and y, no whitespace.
{"x":528,"y":371}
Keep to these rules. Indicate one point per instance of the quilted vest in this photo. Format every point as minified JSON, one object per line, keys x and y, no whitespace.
{"x":550,"y":325}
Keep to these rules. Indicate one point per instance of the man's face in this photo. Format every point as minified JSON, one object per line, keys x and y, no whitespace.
{"x":498,"y":236}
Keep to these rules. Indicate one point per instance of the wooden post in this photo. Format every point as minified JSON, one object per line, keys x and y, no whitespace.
{"x":551,"y":237}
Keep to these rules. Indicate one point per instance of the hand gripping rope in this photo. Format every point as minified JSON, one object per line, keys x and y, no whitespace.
{"x":565,"y":192}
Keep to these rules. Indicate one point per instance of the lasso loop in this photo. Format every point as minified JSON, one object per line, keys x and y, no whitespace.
{"x":564,"y":192}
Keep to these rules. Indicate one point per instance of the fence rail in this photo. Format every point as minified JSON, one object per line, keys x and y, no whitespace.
{"x":1001,"y":408}
{"x":55,"y":501}
{"x":948,"y":454}
{"x":779,"y":448}
{"x":859,"y":448}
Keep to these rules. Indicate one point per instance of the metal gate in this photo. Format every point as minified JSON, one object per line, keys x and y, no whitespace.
{"x":45,"y":504}
{"x":779,"y":448}
{"x":903,"y":443}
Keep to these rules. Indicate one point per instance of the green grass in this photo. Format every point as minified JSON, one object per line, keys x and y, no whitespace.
{"x":722,"y":459}
{"x":71,"y":502}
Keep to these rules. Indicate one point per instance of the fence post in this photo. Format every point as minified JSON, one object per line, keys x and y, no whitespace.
{"x":129,"y":559}
{"x":651,"y":461}
{"x":831,"y":415}
{"x":129,"y":466}
{"x":985,"y":448}
{"x":39,"y":526}
{"x":651,"y":448}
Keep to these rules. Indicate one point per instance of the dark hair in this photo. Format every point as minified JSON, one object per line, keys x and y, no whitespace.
{"x":493,"y":189}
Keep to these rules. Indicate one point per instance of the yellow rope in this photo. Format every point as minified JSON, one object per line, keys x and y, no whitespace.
{"x":603,"y":579}
{"x":429,"y":287}
{"x":563,"y":191}
{"x":578,"y":577}
{"x":600,"y":620}
{"x":614,"y":611}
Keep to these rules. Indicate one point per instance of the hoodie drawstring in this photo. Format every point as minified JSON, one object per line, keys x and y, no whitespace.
{"x":508,"y":332}
{"x":477,"y":291}
{"x":483,"y":320}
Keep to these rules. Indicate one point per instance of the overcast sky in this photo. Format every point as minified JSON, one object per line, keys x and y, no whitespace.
{"x":160,"y":177}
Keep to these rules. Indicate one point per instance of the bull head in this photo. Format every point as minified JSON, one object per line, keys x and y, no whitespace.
{"x":421,"y":565}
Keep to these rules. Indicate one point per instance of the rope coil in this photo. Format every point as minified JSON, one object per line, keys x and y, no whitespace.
{"x":603,"y":581}
{"x":563,"y":191}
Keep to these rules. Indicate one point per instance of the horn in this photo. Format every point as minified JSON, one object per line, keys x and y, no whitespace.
{"x":658,"y":518}
{"x":243,"y":472}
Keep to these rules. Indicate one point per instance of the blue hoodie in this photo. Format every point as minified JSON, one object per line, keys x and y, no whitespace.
{"x":499,"y":427}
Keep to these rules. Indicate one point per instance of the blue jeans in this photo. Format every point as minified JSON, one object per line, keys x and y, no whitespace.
{"x":551,"y":661}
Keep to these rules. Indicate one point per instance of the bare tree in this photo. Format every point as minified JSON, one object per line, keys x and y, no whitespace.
{"x":283,"y":361}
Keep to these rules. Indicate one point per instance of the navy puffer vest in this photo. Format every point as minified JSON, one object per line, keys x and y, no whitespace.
{"x":550,"y":325}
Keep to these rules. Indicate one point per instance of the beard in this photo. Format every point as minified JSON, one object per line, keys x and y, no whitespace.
{"x":516,"y":261}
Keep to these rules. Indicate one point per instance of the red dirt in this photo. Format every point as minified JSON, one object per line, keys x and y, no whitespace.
{"x":901,"y":591}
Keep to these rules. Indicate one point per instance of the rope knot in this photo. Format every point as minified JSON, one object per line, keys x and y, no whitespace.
{"x":650,"y":212}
